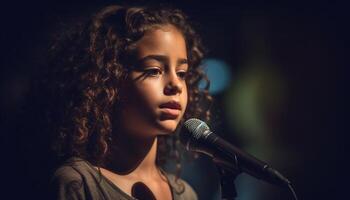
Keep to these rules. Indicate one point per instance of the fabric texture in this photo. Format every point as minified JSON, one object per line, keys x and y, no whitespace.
{"x":77,"y":179}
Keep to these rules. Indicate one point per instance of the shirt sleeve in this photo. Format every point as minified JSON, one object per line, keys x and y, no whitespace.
{"x":67,"y":184}
{"x":189,"y":193}
{"x":182,"y":190}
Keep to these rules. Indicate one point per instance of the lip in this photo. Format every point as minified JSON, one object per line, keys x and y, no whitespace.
{"x":170,"y":110}
{"x":171,"y":105}
{"x":168,"y":113}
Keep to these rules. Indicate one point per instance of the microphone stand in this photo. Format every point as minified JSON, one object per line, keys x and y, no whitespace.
{"x":228,"y":175}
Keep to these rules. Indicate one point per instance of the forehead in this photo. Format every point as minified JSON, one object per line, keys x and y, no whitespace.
{"x":162,"y":40}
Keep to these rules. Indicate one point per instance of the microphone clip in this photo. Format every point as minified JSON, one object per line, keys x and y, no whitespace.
{"x":228,"y":174}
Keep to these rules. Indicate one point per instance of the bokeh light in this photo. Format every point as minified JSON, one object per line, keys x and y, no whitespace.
{"x":219,"y":75}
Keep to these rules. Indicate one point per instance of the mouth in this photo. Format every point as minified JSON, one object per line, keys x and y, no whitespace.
{"x":171,"y":105}
{"x":170,"y":110}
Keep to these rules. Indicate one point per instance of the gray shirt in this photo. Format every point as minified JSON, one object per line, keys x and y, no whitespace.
{"x":78,"y":179}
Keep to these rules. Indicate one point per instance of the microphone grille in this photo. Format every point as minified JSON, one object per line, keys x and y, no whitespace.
{"x":196,"y":127}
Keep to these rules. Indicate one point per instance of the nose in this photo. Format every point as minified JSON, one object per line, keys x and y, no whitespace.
{"x":174,"y":85}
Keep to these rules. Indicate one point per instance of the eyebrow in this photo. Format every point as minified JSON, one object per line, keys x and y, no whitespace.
{"x":163,"y":59}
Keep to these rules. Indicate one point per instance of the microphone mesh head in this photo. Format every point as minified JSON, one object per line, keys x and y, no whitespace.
{"x":196,"y":127}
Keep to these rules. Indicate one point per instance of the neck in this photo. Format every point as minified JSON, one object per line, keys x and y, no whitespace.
{"x":133,"y":155}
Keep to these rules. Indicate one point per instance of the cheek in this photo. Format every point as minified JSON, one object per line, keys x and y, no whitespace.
{"x":151,"y":91}
{"x":147,"y":94}
{"x":184,"y":97}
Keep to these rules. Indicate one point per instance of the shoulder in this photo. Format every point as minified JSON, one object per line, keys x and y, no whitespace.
{"x":69,"y":171}
{"x":69,"y":180}
{"x":181,"y":188}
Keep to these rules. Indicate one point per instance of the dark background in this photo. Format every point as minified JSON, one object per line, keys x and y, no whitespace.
{"x":305,"y":42}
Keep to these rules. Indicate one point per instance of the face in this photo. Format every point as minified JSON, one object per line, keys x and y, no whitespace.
{"x":155,"y":97}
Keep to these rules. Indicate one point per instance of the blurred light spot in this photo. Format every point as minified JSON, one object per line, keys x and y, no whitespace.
{"x":218,"y":73}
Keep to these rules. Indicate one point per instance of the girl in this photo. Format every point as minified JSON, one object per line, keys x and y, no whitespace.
{"x":123,"y":85}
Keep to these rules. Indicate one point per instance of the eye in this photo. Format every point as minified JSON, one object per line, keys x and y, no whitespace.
{"x":182,"y":74}
{"x":153,"y":72}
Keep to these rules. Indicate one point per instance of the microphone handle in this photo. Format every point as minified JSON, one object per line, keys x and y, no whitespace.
{"x":244,"y":162}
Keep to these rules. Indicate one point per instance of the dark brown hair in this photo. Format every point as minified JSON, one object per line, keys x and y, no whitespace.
{"x":89,"y":66}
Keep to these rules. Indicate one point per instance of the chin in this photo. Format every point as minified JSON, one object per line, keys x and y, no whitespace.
{"x":167,"y":126}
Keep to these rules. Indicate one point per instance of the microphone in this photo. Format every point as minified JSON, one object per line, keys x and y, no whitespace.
{"x":196,"y":136}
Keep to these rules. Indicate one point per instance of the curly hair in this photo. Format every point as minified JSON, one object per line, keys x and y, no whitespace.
{"x":88,"y":67}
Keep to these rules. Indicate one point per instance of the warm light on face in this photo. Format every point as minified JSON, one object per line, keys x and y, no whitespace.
{"x":157,"y":92}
